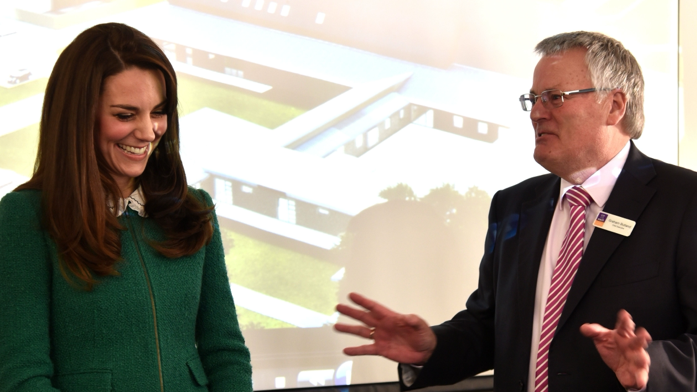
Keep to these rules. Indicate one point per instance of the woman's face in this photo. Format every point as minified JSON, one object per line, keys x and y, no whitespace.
{"x":131,"y":120}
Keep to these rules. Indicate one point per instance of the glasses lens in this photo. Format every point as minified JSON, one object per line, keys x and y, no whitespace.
{"x":553,"y":98}
{"x":527,"y":101}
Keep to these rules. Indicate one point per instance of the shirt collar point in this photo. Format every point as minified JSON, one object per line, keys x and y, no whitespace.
{"x":136,"y":202}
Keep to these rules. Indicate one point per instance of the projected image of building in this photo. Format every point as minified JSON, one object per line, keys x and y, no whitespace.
{"x":295,"y":123}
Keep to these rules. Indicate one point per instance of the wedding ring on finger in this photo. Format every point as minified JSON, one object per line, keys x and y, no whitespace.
{"x":372,"y":333}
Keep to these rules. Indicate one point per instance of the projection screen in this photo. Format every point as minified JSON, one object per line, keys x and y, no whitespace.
{"x":349,"y":145}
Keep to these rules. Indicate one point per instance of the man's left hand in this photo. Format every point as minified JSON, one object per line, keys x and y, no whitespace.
{"x":623,"y":349}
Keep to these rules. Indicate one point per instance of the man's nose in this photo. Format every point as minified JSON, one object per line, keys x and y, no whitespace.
{"x":538,"y":111}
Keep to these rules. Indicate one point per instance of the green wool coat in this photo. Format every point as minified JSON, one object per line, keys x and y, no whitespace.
{"x":161,"y":325}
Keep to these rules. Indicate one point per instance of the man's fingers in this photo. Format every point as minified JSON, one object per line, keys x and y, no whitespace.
{"x":357,"y":314}
{"x":641,"y":340}
{"x":370,"y":305}
{"x":644,"y":334}
{"x":625,"y":325}
{"x":623,"y":349}
{"x":357,"y":330}
{"x":366,"y":349}
{"x":371,"y":316}
{"x":593,"y":330}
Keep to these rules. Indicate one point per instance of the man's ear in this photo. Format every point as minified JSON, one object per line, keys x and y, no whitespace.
{"x":618,"y":106}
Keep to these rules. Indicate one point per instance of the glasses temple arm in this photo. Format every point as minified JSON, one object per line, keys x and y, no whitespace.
{"x":585,"y":90}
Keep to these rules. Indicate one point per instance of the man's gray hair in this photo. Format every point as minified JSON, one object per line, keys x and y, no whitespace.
{"x":610,"y":65}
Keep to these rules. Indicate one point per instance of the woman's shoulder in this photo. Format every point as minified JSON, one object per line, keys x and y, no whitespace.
{"x":22,"y":202}
{"x":20,"y":208}
{"x":201,"y":196}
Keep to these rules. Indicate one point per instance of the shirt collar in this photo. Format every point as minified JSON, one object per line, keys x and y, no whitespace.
{"x":136,"y":201}
{"x":600,"y":184}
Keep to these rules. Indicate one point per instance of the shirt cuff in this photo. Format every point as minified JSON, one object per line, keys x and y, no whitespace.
{"x":409,"y":373}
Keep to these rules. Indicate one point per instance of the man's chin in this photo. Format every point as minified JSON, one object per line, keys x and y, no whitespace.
{"x":539,"y":156}
{"x":545,"y":160}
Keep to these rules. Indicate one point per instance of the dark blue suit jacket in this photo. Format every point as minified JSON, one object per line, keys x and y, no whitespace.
{"x":652,"y":274}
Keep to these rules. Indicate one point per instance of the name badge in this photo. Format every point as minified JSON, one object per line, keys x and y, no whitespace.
{"x":614,"y":223}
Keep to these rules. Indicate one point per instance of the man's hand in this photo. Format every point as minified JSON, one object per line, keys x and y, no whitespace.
{"x":402,"y":338}
{"x":623,"y":349}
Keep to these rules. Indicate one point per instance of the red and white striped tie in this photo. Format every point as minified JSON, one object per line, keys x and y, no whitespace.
{"x":562,"y":278}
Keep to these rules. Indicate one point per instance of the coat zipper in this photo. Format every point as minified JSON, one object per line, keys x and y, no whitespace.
{"x":152,"y":301}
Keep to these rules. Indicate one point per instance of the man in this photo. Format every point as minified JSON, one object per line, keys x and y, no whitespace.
{"x":548,"y":272}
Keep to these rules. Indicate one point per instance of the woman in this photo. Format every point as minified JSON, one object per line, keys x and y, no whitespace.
{"x":112,"y":273}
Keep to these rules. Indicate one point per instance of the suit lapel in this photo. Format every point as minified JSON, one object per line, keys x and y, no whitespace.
{"x":535,"y":219}
{"x":628,"y":199}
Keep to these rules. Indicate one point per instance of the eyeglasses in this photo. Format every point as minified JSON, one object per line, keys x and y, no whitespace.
{"x":550,"y":98}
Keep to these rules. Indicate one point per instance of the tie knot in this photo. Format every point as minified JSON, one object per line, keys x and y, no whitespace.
{"x":577,"y":196}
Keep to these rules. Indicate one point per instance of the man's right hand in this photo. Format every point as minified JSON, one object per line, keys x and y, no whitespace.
{"x":399,"y":337}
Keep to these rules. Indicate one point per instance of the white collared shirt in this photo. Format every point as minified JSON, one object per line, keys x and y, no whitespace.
{"x":136,"y":201}
{"x":599,"y":186}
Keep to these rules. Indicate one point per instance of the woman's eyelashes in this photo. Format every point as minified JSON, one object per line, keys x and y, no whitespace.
{"x":130,"y":116}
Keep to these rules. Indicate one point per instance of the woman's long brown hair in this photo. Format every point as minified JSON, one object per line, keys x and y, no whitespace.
{"x":73,"y":176}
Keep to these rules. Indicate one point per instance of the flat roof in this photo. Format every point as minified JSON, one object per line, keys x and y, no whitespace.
{"x":229,"y":147}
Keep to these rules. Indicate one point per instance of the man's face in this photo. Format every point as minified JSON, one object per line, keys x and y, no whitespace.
{"x":574,"y":140}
